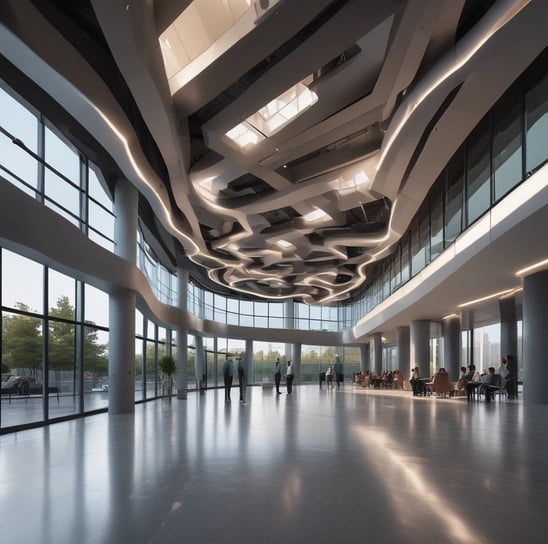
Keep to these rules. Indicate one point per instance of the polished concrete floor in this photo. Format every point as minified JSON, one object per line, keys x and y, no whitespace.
{"x":347,"y":466}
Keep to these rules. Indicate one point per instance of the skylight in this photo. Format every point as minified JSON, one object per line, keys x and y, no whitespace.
{"x":284,"y":243}
{"x":316,"y":215}
{"x":283,"y":109}
{"x":203,"y":32}
{"x":276,"y":114}
{"x":244,"y":135}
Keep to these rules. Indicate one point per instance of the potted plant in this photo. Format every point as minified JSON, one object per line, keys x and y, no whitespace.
{"x":168,"y":368}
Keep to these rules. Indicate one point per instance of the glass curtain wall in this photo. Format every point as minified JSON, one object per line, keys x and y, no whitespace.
{"x":316,"y":359}
{"x":140,"y":353}
{"x":96,"y":342}
{"x":63,"y":357}
{"x":151,"y":359}
{"x":211,"y":361}
{"x":54,"y":355}
{"x":506,"y":146}
{"x":466,"y":351}
{"x":191,"y":362}
{"x":264,"y":360}
{"x":350,"y":359}
{"x":486,"y":347}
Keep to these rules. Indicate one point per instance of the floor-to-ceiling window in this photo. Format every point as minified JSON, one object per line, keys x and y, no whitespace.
{"x":486,"y":347}
{"x":264,"y":360}
{"x":140,"y":354}
{"x":506,"y":146}
{"x":191,"y":362}
{"x":316,"y":359}
{"x":63,"y":356}
{"x":54,"y":350}
{"x":95,"y":348}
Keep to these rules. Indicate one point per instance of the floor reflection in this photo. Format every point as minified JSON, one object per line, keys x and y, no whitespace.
{"x":348,"y":465}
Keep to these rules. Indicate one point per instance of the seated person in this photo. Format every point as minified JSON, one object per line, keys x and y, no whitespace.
{"x":441,"y":384}
{"x":398,"y":379}
{"x":470,"y":381}
{"x":490,"y":383}
{"x":465,"y":377}
{"x":375,"y":380}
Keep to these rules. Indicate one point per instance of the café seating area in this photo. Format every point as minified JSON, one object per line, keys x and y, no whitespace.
{"x":438,"y":386}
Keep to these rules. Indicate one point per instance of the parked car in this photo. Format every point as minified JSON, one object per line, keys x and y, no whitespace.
{"x":21,"y":385}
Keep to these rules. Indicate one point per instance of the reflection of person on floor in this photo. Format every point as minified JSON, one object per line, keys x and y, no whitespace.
{"x":228,"y":375}
{"x":241,"y":379}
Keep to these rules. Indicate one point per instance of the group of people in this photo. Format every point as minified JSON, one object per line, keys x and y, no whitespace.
{"x":289,"y":376}
{"x":469,"y":380}
{"x":333,"y":371}
{"x":488,"y":382}
{"x":387,"y":379}
{"x":228,"y":376}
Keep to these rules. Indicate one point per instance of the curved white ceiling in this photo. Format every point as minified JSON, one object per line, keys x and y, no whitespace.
{"x":302,"y":213}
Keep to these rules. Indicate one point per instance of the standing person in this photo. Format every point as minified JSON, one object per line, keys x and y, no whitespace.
{"x":338,"y":371}
{"x":507,"y":381}
{"x":414,"y":379}
{"x":241,"y":379}
{"x":228,"y":375}
{"x":289,"y":376}
{"x":278,"y":376}
{"x":417,"y":383}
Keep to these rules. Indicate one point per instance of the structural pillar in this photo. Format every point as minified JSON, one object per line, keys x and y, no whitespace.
{"x":297,"y":348}
{"x":509,"y":333}
{"x":364,"y":357}
{"x":404,"y":361}
{"x":535,"y":337}
{"x":377,"y":343}
{"x":451,"y":346}
{"x":248,"y":362}
{"x":181,"y":378}
{"x":121,"y":356}
{"x":121,"y":359}
{"x":420,"y":346}
{"x":199,"y":359}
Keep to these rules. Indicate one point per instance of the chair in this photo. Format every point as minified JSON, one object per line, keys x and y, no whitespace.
{"x":441,"y":384}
